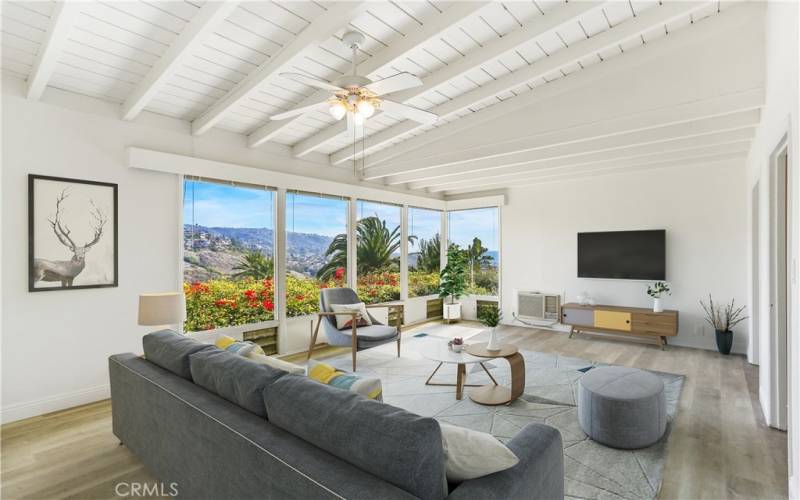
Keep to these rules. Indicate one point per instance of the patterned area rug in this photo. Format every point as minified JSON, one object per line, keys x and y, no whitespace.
{"x":592,"y":470}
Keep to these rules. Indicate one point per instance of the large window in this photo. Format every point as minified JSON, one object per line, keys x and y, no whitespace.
{"x":316,"y":249}
{"x":475,"y":232}
{"x":228,"y":242}
{"x":378,"y":252}
{"x":423,"y":251}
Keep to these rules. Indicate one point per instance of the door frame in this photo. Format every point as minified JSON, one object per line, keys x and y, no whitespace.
{"x":779,"y":237}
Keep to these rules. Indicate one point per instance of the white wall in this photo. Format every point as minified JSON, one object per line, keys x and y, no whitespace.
{"x":701,"y":208}
{"x":781,"y":115}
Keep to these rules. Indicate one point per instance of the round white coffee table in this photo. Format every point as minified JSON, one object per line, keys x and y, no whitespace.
{"x":440,"y":352}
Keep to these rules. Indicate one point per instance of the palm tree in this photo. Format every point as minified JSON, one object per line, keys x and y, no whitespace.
{"x":375,"y":249}
{"x":253,"y":264}
{"x":476,"y":257}
{"x":429,"y":255}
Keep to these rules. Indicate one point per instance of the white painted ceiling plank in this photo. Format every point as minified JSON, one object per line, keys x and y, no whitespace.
{"x":319,"y":30}
{"x":194,"y":34}
{"x":55,"y":39}
{"x":557,"y":60}
{"x":693,"y":162}
{"x":734,"y":121}
{"x":686,"y":145}
{"x":379,"y":62}
{"x":727,"y":20}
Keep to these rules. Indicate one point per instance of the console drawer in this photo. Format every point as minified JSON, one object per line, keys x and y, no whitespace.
{"x":577,"y":316}
{"x":612,"y":320}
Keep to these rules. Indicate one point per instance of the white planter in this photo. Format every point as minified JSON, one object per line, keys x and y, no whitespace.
{"x":494,"y":343}
{"x":452,"y":311}
{"x":657,"y":307}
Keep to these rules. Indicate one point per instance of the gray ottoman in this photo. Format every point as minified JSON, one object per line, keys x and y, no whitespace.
{"x":622,"y":407}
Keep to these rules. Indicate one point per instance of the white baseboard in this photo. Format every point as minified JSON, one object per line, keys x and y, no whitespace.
{"x":19,"y":411}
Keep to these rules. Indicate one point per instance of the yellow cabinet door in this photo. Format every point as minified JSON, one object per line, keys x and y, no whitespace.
{"x":613,"y":320}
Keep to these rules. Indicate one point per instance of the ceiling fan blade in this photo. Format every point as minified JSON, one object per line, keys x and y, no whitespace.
{"x":395,"y":83}
{"x":402,"y":111}
{"x":310,"y":80}
{"x":299,"y":111}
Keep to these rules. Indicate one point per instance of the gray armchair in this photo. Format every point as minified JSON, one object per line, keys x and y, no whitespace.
{"x":357,"y":338}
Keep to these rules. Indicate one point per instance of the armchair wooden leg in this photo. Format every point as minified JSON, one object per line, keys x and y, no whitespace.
{"x":313,"y":339}
{"x":355,"y":344}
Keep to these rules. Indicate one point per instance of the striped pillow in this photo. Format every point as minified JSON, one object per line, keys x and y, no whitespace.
{"x":241,"y":348}
{"x":326,"y":374}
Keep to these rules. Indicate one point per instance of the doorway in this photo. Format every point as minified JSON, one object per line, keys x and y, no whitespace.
{"x":755,"y":256}
{"x":779,"y":288}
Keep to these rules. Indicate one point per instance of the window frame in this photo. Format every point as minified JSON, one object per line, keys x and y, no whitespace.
{"x":442,"y":255}
{"x":498,"y":208}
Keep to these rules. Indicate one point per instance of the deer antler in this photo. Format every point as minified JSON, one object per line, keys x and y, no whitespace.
{"x":62,"y":232}
{"x":100,"y":221}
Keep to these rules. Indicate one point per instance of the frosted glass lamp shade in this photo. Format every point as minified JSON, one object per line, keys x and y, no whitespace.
{"x":160,"y":309}
{"x":337,"y":110}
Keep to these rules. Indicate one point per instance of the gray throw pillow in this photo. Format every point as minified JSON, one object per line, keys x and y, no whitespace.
{"x":171,"y":350}
{"x":234,"y":378}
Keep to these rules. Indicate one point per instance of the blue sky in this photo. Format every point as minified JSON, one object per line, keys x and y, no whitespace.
{"x":218,"y":205}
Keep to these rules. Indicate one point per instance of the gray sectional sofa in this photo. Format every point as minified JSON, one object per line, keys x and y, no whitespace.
{"x":220,"y":426}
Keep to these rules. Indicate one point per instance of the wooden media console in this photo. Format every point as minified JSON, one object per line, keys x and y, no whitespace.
{"x":636,"y":321}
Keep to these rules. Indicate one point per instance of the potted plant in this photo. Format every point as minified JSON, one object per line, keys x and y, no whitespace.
{"x":453,"y":283}
{"x":491,"y":316}
{"x":723,"y":319}
{"x":456,"y":344}
{"x":656,"y":290}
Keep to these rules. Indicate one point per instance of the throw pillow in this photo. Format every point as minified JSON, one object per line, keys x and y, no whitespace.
{"x":469,"y":454}
{"x":326,"y":374}
{"x":344,"y":321}
{"x":237,"y":347}
{"x":276,"y":363}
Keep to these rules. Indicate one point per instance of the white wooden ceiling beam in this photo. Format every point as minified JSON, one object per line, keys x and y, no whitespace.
{"x":735,"y":121}
{"x":492,"y":50}
{"x":319,"y":30}
{"x":442,"y":156}
{"x":657,"y":16}
{"x":696,"y":162}
{"x":370,"y":67}
{"x":210,"y":15}
{"x":566,"y":166}
{"x":731,"y":18}
{"x":61,"y":20}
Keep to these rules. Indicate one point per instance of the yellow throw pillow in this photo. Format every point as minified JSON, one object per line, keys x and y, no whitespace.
{"x":241,"y":348}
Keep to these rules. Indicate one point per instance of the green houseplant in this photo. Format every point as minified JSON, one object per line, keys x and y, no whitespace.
{"x":453,"y":282}
{"x":656,"y":290}
{"x":723,"y":319}
{"x":491,"y":316}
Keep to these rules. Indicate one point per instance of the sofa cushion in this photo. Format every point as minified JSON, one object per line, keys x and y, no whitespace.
{"x":397,"y":446}
{"x":233,"y":377}
{"x":369,"y":387}
{"x":171,"y":350}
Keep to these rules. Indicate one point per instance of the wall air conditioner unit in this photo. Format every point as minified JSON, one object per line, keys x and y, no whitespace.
{"x":538,"y":306}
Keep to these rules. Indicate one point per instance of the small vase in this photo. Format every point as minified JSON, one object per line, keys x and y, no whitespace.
{"x":724,"y":341}
{"x":657,"y":308}
{"x":494,"y":344}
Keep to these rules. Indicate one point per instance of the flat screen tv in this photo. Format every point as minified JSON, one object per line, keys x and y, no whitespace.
{"x":629,"y":255}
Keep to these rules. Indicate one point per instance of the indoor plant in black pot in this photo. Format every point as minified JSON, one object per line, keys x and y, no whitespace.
{"x":723,"y":319}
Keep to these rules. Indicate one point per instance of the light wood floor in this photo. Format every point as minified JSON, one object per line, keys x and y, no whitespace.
{"x":720,"y":447}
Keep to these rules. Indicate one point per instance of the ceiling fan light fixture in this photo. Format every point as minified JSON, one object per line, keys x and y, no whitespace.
{"x":365,"y":108}
{"x":337,"y":110}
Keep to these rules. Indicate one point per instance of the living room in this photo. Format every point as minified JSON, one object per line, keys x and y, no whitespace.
{"x":242,"y":172}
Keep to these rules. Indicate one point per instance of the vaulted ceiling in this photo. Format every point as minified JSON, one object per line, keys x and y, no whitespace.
{"x":218,"y":64}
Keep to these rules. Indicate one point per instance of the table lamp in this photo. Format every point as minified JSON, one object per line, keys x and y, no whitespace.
{"x":162,"y":309}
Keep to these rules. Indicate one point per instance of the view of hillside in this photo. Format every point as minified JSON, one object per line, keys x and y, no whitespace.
{"x":213,"y":252}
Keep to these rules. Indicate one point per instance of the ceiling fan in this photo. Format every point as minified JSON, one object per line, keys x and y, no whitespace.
{"x":357,"y":97}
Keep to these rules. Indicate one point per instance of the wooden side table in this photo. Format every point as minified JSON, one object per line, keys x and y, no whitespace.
{"x":499,"y":394}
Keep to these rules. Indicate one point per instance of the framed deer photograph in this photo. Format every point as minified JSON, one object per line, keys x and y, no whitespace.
{"x":72,"y":234}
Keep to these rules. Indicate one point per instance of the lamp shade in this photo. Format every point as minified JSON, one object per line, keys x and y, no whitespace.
{"x":157,"y":309}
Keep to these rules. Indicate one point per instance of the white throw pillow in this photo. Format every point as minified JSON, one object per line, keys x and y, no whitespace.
{"x":277,"y":363}
{"x":344,"y":321}
{"x":470,"y":454}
